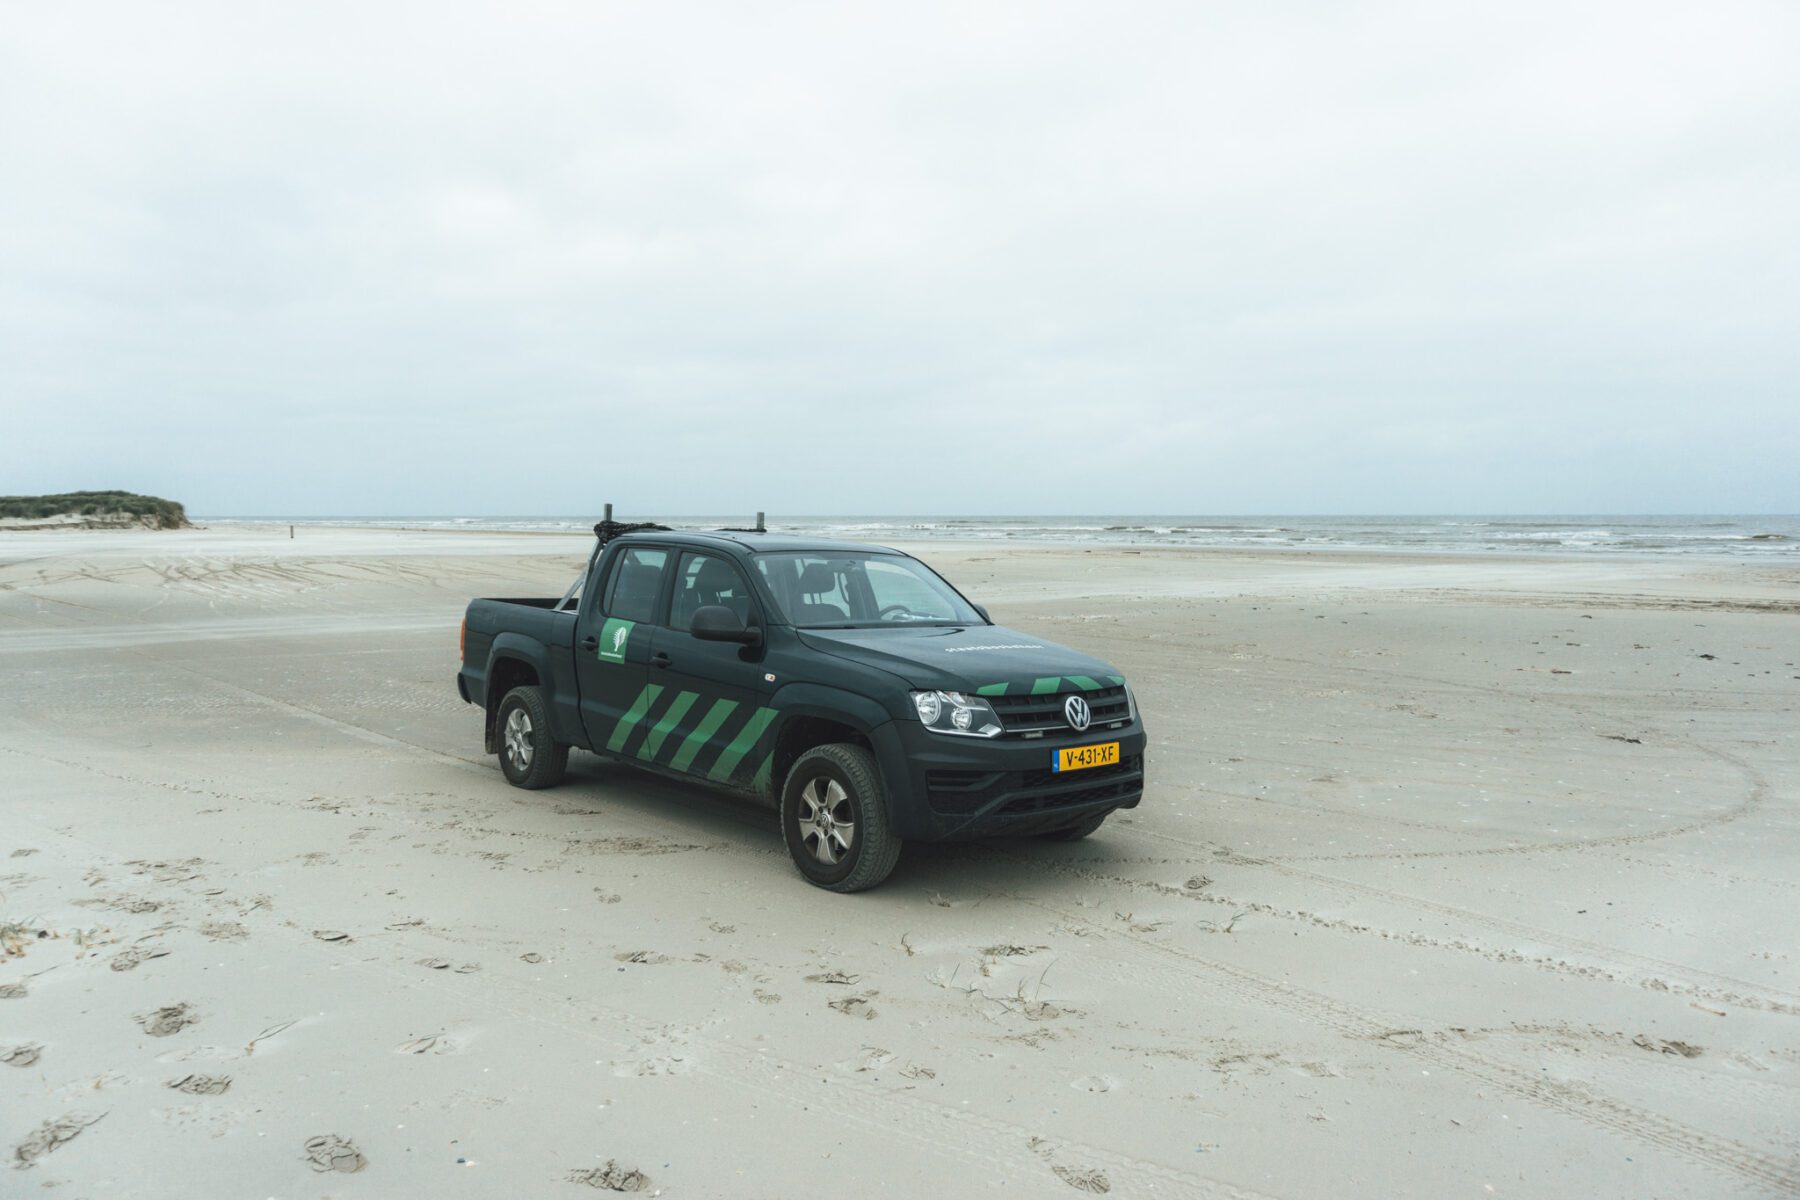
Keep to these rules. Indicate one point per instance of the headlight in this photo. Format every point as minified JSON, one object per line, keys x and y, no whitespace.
{"x":956,"y":713}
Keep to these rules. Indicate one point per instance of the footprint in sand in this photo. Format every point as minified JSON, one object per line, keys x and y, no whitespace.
{"x":12,"y":991}
{"x":1084,"y":1181}
{"x":329,"y":1152}
{"x":22,"y":1056}
{"x":833,"y":977}
{"x":855,"y":1006}
{"x":332,"y":935}
{"x":869,"y":1058}
{"x":645,"y":957}
{"x":611,"y":1177}
{"x":201,"y":1085}
{"x":49,"y":1136}
{"x":127,"y":960}
{"x":166,"y":1021}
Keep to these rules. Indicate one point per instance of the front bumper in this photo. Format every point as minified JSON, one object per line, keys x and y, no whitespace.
{"x":950,"y":788}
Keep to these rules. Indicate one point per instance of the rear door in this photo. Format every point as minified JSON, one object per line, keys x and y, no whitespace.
{"x":712,"y":718}
{"x":612,"y":650}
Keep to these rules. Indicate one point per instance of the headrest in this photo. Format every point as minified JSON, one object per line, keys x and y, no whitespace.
{"x":715,"y":576}
{"x":817,"y":578}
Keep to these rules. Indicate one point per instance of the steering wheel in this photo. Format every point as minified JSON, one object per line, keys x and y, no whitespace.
{"x":898,"y":610}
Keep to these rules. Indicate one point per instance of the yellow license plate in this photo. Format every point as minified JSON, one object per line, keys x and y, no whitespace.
{"x":1080,"y":758}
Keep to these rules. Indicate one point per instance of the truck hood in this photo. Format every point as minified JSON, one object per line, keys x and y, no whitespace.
{"x":964,"y":658}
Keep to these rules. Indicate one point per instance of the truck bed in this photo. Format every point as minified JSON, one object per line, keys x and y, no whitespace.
{"x":528,"y":619}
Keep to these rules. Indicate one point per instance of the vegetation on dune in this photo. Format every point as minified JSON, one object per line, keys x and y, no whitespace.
{"x":100,"y":507}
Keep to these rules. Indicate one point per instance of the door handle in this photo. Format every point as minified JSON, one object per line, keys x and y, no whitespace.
{"x":590,"y":643}
{"x":659,"y":659}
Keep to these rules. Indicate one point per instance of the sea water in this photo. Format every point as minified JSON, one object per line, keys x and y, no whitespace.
{"x":1760,"y":537}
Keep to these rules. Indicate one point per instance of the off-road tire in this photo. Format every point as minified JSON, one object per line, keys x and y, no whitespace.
{"x":529,"y":756}
{"x":873,"y":847}
{"x":1079,"y":830}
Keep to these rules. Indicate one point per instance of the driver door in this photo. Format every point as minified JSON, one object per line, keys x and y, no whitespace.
{"x":717,"y":724}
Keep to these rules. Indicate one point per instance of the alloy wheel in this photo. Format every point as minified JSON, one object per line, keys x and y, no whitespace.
{"x":827,"y":820}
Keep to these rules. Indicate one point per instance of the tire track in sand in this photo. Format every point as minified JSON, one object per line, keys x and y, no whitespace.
{"x":1365,"y":1024}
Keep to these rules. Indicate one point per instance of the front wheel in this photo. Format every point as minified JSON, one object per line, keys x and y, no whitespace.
{"x":834,"y":817}
{"x":529,"y":756}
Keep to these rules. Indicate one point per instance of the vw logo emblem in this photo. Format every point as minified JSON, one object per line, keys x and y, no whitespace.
{"x":1077,"y":712}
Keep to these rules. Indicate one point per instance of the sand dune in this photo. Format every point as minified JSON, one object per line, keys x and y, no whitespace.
{"x":1461,"y":876}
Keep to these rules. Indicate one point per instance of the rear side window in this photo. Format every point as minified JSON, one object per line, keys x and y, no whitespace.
{"x":635,"y":583}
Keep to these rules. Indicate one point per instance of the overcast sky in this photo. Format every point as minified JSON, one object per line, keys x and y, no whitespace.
{"x":981,"y":258}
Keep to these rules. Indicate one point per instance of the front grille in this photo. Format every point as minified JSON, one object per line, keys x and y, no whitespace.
{"x":1012,"y":793}
{"x":1029,"y":716}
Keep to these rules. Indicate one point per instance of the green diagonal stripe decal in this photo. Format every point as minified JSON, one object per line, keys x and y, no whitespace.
{"x":1043,"y":687}
{"x":1085,"y":683}
{"x":633,"y":715}
{"x":654,"y":739}
{"x":709,"y":724}
{"x":1118,"y":680}
{"x":765,"y":772}
{"x":991,"y":689}
{"x":740,"y":745}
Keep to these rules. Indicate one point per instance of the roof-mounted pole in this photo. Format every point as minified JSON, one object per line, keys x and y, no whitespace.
{"x":606,"y":513}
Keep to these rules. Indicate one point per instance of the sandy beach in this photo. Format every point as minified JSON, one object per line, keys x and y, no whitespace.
{"x":1456,"y":876}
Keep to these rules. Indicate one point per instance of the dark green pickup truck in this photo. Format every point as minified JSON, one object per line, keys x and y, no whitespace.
{"x":850,"y":687}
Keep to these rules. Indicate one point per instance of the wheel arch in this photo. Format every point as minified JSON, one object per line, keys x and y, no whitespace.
{"x":514,"y":661}
{"x":812,"y":715}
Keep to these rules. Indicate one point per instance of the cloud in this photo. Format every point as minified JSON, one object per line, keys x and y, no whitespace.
{"x":1178,"y":258}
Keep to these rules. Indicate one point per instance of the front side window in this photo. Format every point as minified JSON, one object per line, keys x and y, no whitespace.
{"x":636,"y":581}
{"x":824,"y":591}
{"x":705,"y":580}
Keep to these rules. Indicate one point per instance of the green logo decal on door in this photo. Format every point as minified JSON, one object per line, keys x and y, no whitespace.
{"x":615,"y":635}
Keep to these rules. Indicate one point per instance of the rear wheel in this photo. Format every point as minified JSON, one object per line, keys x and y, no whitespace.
{"x":1079,"y":830}
{"x":529,"y":756}
{"x":834,"y":817}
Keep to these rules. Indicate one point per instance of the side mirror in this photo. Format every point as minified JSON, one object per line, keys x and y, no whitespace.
{"x":716,"y":623}
{"x":984,"y":616}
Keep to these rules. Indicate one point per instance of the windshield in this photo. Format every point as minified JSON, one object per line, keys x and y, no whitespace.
{"x":817,"y":590}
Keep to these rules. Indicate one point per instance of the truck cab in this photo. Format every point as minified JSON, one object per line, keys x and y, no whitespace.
{"x":849,"y":687}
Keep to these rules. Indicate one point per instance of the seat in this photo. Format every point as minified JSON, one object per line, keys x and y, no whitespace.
{"x":714,"y":583}
{"x":817,"y":580}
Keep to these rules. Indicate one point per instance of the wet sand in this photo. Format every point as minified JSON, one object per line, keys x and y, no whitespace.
{"x":1456,"y":876}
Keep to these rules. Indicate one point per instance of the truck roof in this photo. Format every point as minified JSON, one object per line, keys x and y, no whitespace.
{"x":751,"y":542}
